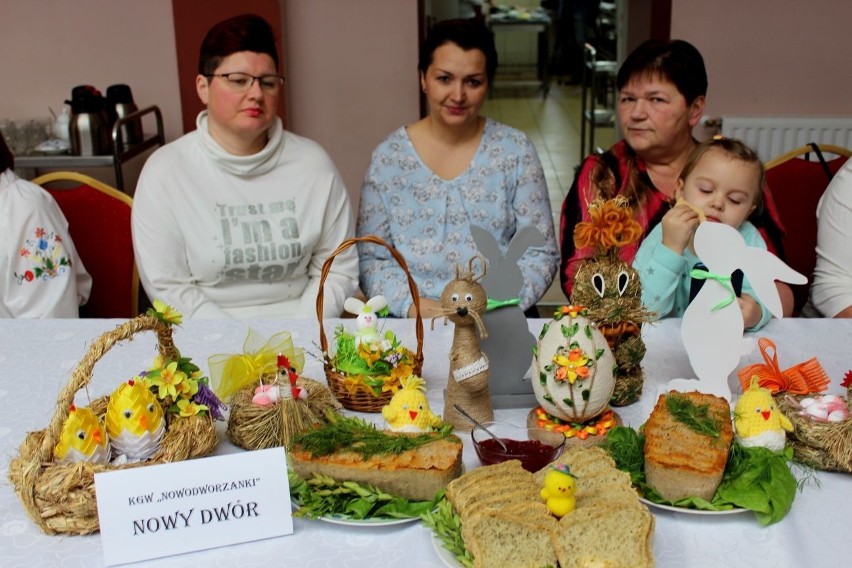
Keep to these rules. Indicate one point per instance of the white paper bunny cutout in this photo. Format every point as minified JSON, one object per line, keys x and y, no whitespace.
{"x":367,"y":319}
{"x":713,"y":335}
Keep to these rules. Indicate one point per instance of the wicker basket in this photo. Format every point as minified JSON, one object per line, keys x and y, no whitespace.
{"x":822,"y":445}
{"x":361,"y":400}
{"x":60,"y":498}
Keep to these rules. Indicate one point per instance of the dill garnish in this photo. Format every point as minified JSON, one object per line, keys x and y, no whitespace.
{"x":357,"y":435}
{"x":696,"y":417}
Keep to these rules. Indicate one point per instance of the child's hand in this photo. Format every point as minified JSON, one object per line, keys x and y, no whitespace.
{"x":750,"y":309}
{"x":679,"y":225}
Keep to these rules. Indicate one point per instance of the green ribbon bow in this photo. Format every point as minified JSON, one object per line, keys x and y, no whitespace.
{"x":725,"y":281}
{"x":494,"y":304}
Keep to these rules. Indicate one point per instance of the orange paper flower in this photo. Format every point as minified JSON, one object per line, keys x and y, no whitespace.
{"x":611,"y":226}
{"x":804,"y":378}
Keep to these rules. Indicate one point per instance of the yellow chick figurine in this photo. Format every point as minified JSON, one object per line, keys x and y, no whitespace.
{"x":559,"y":489}
{"x":408,"y":410}
{"x":134,"y":421}
{"x":83,"y":438}
{"x":758,"y":421}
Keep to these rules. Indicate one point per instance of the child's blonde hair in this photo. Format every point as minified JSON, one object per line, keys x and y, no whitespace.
{"x":735,"y":150}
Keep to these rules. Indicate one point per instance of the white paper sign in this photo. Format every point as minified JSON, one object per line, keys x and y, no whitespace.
{"x":162,"y":510}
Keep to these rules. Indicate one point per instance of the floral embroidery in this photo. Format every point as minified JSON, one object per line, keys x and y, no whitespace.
{"x":571,"y":365}
{"x":46,"y":257}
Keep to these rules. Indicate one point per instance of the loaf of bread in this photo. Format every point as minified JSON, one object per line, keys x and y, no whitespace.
{"x":505,"y":522}
{"x":417,"y":474}
{"x":682,"y":460}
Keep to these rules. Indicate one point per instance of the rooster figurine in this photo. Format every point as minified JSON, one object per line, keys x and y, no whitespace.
{"x":758,"y":421}
{"x":134,"y":421}
{"x":83,"y":438}
{"x":408,"y":410}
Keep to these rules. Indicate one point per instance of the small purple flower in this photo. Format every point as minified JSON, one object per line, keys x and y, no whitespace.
{"x":393,"y":358}
{"x":208,"y":398}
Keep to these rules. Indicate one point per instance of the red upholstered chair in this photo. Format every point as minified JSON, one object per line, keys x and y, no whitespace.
{"x":797,"y":180}
{"x":99,"y":223}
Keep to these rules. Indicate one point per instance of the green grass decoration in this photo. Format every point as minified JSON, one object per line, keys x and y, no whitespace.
{"x":696,"y":417}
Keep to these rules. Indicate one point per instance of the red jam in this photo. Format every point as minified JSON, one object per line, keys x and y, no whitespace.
{"x":533,"y":454}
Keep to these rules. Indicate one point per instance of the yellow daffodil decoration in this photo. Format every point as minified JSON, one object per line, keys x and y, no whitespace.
{"x":572,"y":366}
{"x":179,"y":384}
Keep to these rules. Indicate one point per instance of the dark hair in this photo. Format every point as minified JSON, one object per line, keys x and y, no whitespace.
{"x":467,"y":34}
{"x":240,"y":33}
{"x":676,"y":61}
{"x":7,"y":159}
{"x":735,"y":150}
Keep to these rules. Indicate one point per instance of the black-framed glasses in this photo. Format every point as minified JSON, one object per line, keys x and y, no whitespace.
{"x":242,"y":82}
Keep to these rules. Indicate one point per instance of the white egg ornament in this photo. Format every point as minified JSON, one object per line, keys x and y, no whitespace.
{"x":573,"y":367}
{"x":134,"y":421}
{"x":83,"y":438}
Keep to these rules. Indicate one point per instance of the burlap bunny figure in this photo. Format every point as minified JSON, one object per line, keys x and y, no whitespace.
{"x":463,"y":302}
{"x":610,"y":290}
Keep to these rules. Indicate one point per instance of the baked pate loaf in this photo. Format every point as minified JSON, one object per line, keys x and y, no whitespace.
{"x":681,"y":461}
{"x":417,"y":474}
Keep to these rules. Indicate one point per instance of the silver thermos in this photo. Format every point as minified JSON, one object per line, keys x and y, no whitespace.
{"x":120,"y":104}
{"x":89,"y":125}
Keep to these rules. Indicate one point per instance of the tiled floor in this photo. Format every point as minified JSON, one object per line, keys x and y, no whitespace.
{"x":553,"y":124}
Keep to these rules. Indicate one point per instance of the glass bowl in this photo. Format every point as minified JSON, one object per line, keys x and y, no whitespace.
{"x":535,"y":447}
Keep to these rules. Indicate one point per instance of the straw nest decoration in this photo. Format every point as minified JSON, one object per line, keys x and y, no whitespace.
{"x":255,"y":427}
{"x":821,"y":445}
{"x":60,"y":498}
{"x":354,"y":392}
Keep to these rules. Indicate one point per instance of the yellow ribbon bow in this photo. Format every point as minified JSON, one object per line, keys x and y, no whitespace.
{"x":230,"y":373}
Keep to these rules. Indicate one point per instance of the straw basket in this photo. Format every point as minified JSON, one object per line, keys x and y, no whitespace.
{"x":60,"y":498}
{"x":364,"y":400}
{"x":822,"y":445}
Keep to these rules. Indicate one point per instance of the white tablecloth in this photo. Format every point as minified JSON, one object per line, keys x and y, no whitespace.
{"x":37,"y":358}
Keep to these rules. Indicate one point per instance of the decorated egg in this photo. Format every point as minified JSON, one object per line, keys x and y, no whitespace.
{"x":134,"y":421}
{"x":83,"y":438}
{"x":573,"y":367}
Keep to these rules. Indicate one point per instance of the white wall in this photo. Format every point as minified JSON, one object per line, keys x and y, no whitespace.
{"x":771,"y":57}
{"x":352,"y":76}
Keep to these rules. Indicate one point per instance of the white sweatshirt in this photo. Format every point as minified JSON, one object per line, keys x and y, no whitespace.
{"x":41,"y":274}
{"x":218,"y":235}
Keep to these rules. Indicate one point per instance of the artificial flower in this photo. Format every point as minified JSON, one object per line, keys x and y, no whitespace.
{"x":165,"y":313}
{"x":167,"y":379}
{"x":188,"y":408}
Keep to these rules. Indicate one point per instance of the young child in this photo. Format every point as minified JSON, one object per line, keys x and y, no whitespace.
{"x":721,"y":182}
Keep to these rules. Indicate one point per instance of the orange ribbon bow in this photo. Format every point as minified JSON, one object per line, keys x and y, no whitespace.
{"x":803,"y":378}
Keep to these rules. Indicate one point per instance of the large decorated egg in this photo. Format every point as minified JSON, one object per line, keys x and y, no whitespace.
{"x":573,"y":367}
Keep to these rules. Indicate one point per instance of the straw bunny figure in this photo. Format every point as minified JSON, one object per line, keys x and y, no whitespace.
{"x":712,"y":327}
{"x":509,"y":345}
{"x":463,"y":302}
{"x":611,"y":291}
{"x":367,"y":318}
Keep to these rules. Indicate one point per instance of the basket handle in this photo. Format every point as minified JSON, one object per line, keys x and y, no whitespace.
{"x":415,"y":295}
{"x":83,"y":373}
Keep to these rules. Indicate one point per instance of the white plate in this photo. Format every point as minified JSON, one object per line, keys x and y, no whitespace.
{"x":53,"y":147}
{"x":689,"y":511}
{"x":445,"y":555}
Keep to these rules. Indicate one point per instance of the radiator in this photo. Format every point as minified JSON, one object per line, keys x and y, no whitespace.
{"x":772,"y":136}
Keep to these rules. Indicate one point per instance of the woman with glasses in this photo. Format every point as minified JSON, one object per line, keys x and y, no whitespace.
{"x":236,"y":218}
{"x":428,"y":182}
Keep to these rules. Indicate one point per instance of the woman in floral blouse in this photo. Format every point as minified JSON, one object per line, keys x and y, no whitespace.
{"x":430,"y":181}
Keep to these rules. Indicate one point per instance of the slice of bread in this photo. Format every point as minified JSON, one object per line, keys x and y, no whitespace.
{"x":498,"y":540}
{"x":481,"y":475}
{"x":605,"y":536}
{"x":680,"y":462}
